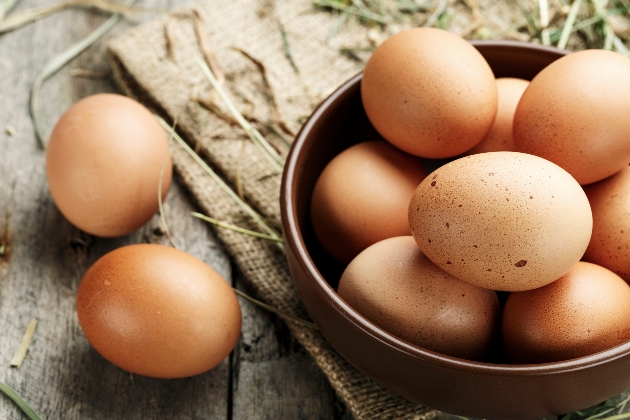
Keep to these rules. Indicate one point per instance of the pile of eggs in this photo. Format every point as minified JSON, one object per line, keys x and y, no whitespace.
{"x":149,"y":309}
{"x":520,"y":244}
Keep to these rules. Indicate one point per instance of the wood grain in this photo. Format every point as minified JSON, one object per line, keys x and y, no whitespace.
{"x":268,"y":376}
{"x":288,"y":383}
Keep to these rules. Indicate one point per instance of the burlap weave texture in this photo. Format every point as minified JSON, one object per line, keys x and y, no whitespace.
{"x":289,"y":40}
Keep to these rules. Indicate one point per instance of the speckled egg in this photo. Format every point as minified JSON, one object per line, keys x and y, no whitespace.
{"x":157,"y":311}
{"x":500,"y":136}
{"x":501,"y":220}
{"x":610,"y":243}
{"x":429,"y":93}
{"x":361,"y":197}
{"x":585,"y":311}
{"x":396,"y":287}
{"x":575,"y":114}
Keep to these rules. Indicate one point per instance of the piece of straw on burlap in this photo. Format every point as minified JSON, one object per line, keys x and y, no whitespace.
{"x":157,"y":63}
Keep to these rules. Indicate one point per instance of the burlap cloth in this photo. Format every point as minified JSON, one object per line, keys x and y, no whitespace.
{"x":299,"y":47}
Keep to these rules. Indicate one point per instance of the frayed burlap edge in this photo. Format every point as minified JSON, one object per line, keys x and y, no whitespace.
{"x":364,"y":398}
{"x":166,"y":79}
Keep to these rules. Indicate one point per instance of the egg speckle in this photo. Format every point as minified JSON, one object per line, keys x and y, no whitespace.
{"x":502,"y":220}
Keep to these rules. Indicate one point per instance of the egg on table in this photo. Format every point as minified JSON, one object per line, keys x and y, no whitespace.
{"x":157,"y":311}
{"x":104,"y":162}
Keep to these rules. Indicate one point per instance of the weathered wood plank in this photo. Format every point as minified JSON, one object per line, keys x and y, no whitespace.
{"x":62,"y":377}
{"x":273,"y":375}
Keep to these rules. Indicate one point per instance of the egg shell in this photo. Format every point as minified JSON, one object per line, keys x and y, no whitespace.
{"x":429,"y":93}
{"x":500,"y":138}
{"x":103,"y":165}
{"x":396,"y":287}
{"x":585,"y":311}
{"x":610,"y":242}
{"x":157,"y":311}
{"x":501,"y":220}
{"x":361,"y":197}
{"x":575,"y":114}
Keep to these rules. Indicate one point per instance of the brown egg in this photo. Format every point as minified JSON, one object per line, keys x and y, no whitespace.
{"x":157,"y":311}
{"x":500,"y":136}
{"x":502,"y":220}
{"x":397,"y":288}
{"x":103,"y":165}
{"x":575,"y":114}
{"x":361,"y":197}
{"x":429,"y":93}
{"x":585,"y":311}
{"x":610,"y":243}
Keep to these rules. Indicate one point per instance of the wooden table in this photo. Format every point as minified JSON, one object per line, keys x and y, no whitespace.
{"x":268,"y":376}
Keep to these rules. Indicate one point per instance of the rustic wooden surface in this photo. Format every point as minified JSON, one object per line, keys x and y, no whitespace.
{"x":268,"y":376}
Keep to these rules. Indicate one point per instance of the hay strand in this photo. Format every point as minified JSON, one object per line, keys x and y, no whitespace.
{"x":341,"y":6}
{"x":236,"y":228}
{"x":440,"y":8}
{"x":20,"y":354}
{"x":6,"y":7}
{"x":244,"y":206}
{"x":204,"y":44}
{"x":25,"y":17}
{"x":568,"y":24}
{"x":543,"y":6}
{"x":275,"y":311}
{"x":12,"y":393}
{"x":270,"y":154}
{"x":58,"y":62}
{"x":268,"y":87}
{"x":160,"y":201}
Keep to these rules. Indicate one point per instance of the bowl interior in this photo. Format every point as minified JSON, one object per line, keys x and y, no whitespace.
{"x":341,"y":122}
{"x":488,"y":389}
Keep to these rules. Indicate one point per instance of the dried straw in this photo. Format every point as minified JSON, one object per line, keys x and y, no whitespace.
{"x":236,"y":228}
{"x":58,"y":62}
{"x":12,"y":393}
{"x":20,"y":354}
{"x":25,"y":17}
{"x":244,"y":206}
{"x":6,"y":7}
{"x":274,"y":159}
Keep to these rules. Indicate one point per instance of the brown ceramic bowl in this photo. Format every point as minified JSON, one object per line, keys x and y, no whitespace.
{"x":491,"y":389}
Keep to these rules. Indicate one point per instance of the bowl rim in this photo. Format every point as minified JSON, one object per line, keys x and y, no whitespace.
{"x":295,"y":240}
